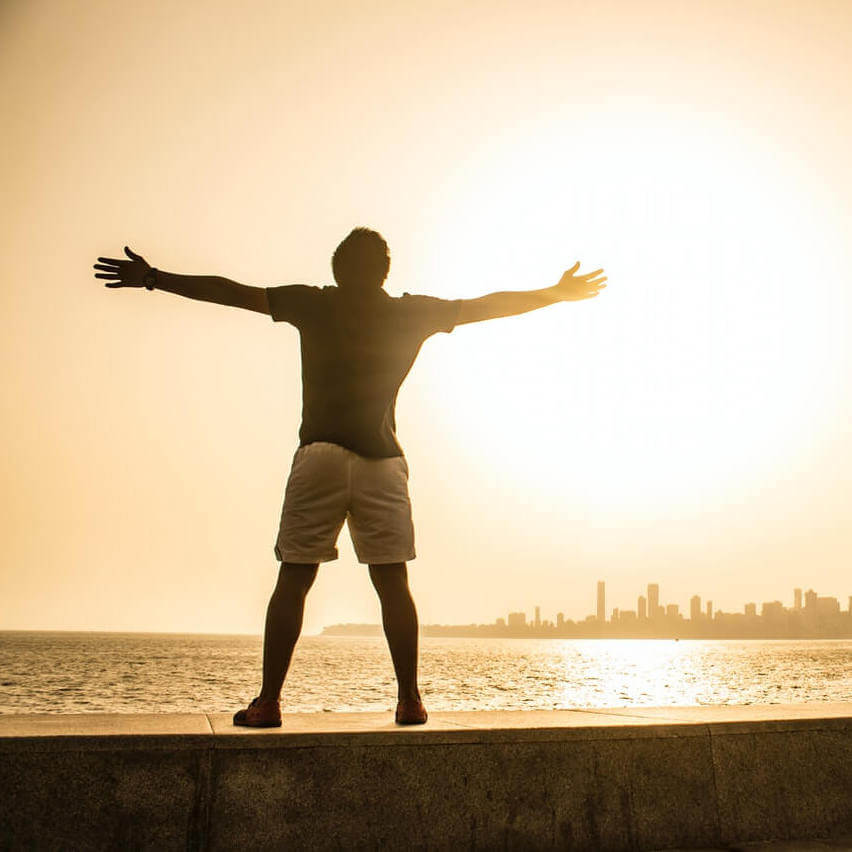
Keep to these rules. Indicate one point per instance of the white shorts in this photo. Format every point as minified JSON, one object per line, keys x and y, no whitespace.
{"x":329,"y":484}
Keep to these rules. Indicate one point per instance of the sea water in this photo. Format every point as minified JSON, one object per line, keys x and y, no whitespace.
{"x":179,"y":673}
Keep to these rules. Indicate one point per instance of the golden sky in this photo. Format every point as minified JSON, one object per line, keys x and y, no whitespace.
{"x":688,"y":427}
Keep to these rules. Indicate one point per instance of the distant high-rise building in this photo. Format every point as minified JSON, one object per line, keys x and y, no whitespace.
{"x":601,"y":601}
{"x":827,"y":606}
{"x":672,"y":611}
{"x":653,"y":600}
{"x":615,"y":614}
{"x":517,"y":619}
{"x":850,"y":605}
{"x":810,"y":600}
{"x":797,"y":599}
{"x":501,"y":622}
{"x":560,"y":619}
{"x":751,"y":609}
{"x":695,"y":608}
{"x":537,"y":617}
{"x":772,"y":610}
{"x":642,"y":606}
{"x":709,"y":610}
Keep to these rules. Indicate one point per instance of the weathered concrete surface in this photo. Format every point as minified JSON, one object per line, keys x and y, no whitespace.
{"x":638,"y":778}
{"x":104,"y":782}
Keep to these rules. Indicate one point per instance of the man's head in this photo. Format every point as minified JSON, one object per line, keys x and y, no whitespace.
{"x":361,"y":261}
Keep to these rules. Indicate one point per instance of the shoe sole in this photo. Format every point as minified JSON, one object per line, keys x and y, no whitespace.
{"x":257,"y":724}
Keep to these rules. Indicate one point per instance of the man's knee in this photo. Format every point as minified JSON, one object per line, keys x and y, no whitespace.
{"x":389,"y":576}
{"x":300,"y":575}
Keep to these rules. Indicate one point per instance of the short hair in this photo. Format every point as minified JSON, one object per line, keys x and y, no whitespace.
{"x":361,"y":261}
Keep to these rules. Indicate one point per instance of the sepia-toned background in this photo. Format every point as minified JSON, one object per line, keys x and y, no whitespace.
{"x":689,"y":427}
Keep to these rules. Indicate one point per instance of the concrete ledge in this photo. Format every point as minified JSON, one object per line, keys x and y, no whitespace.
{"x":636,"y":778}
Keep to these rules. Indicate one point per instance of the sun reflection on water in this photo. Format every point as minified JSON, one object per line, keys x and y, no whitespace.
{"x":631,"y":671}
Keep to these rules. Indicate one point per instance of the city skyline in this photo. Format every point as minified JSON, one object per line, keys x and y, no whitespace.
{"x":648,"y":607}
{"x":811,"y":616}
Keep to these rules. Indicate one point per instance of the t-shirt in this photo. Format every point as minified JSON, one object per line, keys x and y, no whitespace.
{"x":356,"y":350}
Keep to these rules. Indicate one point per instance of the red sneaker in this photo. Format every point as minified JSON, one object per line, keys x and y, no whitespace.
{"x":261,"y":713}
{"x":411,"y":712}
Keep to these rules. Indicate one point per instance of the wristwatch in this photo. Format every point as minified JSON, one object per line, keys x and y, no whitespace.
{"x":150,"y":278}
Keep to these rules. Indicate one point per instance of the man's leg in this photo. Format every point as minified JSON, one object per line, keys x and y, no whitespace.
{"x":399,"y":618}
{"x":284,"y":624}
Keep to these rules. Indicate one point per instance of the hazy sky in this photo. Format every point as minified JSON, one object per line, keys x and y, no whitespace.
{"x":688,"y":427}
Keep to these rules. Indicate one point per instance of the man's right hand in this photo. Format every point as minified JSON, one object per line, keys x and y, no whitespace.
{"x":123,"y":273}
{"x":573,"y":287}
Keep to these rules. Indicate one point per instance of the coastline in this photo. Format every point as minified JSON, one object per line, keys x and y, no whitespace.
{"x":596,"y":630}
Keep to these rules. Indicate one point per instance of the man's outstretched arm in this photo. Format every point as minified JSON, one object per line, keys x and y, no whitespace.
{"x":136,"y":272}
{"x":571,"y":288}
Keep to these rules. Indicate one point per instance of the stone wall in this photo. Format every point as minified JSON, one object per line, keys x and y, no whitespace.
{"x":639,"y":778}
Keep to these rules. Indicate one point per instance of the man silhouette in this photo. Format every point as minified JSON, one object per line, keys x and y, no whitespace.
{"x":357,"y":345}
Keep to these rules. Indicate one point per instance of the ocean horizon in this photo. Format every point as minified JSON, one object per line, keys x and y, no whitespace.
{"x":134,"y":672}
